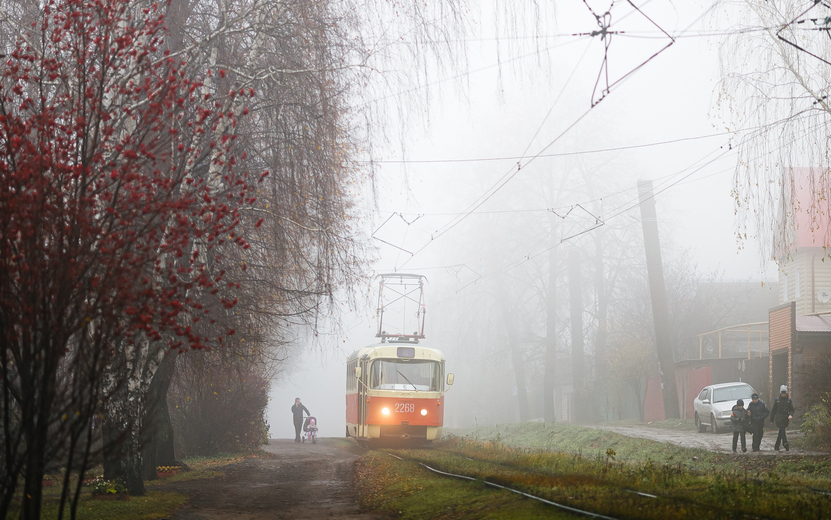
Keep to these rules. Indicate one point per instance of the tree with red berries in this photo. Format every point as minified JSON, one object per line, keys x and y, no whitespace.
{"x":119,"y":197}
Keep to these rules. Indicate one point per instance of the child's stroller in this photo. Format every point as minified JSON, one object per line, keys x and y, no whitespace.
{"x":310,"y":427}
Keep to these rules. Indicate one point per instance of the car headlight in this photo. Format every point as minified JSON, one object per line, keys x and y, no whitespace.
{"x":385,"y":411}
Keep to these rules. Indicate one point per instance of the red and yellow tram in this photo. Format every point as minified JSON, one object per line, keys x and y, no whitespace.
{"x":395,"y":391}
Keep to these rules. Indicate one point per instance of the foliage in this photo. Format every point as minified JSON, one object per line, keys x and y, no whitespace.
{"x":775,"y":83}
{"x":816,"y":382}
{"x":105,"y":150}
{"x":154,"y":505}
{"x":634,"y":363}
{"x":642,"y":488}
{"x":107,"y":487}
{"x":217,"y":404}
{"x":817,"y":424}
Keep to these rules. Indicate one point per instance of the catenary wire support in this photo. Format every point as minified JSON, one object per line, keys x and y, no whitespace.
{"x":820,"y":24}
{"x":408,"y":222}
{"x":604,"y":23}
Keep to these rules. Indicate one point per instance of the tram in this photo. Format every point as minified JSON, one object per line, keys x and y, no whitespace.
{"x":395,"y":388}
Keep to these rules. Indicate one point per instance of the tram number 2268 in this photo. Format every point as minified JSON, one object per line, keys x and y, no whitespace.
{"x":404,"y":407}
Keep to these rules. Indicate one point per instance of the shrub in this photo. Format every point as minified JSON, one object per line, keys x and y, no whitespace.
{"x":814,"y":392}
{"x":817,"y":423}
{"x":107,"y":487}
{"x":217,"y":408}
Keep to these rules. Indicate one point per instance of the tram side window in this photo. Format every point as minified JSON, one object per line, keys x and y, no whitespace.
{"x":409,"y":375}
{"x":351,"y":380}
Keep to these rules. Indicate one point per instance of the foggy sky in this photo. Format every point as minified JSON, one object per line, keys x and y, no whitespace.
{"x":671,"y":98}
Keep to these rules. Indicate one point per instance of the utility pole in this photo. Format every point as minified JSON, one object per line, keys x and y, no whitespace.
{"x":658,"y":292}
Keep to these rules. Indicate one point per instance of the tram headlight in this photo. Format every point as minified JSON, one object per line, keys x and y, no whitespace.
{"x":423,"y":411}
{"x":385,"y":411}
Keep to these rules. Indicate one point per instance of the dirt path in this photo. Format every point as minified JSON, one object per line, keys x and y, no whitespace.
{"x":722,"y":442}
{"x":303,"y":481}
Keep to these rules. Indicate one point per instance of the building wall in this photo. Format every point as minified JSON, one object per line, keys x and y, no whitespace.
{"x":795,"y":276}
{"x":782,"y":338}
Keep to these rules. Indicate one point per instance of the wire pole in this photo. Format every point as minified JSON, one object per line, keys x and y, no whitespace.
{"x":658,"y":292}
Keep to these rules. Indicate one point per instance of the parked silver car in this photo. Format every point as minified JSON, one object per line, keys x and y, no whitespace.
{"x":714,"y":403}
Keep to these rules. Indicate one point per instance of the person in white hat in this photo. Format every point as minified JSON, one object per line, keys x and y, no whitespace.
{"x":781,"y":414}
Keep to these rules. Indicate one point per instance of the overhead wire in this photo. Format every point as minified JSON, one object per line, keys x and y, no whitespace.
{"x":512,"y":173}
{"x":561,"y":154}
{"x":508,"y":176}
{"x":621,"y":209}
{"x":467,"y":73}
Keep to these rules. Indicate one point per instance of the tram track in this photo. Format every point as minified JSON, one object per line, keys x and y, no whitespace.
{"x":597,"y":497}
{"x":776,"y":485}
{"x":506,"y":488}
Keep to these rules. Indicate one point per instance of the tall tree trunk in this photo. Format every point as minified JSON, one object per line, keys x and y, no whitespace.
{"x":157,"y":431}
{"x":601,"y":398}
{"x":658,"y":292}
{"x":516,"y":358}
{"x":521,"y":390}
{"x":549,"y":376}
{"x":122,"y":441}
{"x":35,"y":468}
{"x":36,"y":436}
{"x":575,"y":284}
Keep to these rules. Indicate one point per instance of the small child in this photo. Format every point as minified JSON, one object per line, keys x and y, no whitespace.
{"x":738,"y":418}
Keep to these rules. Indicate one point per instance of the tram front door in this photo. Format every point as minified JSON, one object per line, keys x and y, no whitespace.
{"x":363,"y":431}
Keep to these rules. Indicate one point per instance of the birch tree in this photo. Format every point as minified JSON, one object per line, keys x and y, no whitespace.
{"x":776,"y":76}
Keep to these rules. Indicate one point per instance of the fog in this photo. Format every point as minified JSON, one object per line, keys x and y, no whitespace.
{"x":452,"y":206}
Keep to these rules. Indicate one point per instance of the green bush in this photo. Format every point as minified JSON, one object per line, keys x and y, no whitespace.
{"x":817,"y":423}
{"x":107,"y":487}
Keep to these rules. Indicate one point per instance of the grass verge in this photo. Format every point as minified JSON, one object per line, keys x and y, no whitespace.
{"x":592,"y":442}
{"x":408,"y":491}
{"x":155,"y":504}
{"x":594,"y":470}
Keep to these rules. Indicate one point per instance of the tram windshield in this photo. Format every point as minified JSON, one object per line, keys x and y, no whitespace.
{"x":405,"y":375}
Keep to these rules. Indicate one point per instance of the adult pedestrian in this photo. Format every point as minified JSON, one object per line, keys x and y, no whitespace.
{"x":297,"y":410}
{"x":758,"y":412}
{"x":782,"y":414}
{"x":739,"y":420}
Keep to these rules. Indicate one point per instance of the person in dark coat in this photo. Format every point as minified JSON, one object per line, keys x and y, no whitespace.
{"x":297,"y":410}
{"x":758,"y":412}
{"x":782,"y":414}
{"x":739,"y":420}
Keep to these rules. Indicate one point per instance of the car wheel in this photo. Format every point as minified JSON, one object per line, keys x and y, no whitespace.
{"x":713,"y":423}
{"x":701,"y":427}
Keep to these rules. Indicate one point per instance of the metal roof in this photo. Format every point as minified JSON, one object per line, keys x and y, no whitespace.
{"x":820,"y":323}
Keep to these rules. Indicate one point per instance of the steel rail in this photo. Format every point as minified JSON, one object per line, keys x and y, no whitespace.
{"x":523,"y":493}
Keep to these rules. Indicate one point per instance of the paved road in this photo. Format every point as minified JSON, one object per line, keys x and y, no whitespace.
{"x":303,"y":481}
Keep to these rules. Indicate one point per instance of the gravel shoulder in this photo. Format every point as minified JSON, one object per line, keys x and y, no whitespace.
{"x":302,"y":481}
